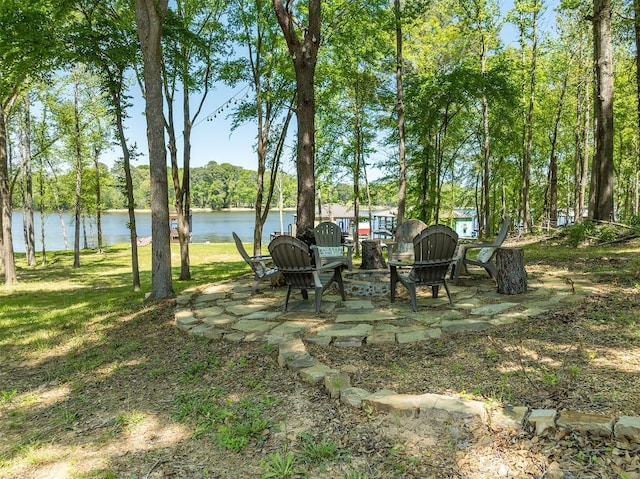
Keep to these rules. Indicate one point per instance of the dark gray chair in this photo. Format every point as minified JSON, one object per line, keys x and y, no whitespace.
{"x":262,"y":265}
{"x":293,"y":259}
{"x":434,"y":251}
{"x":329,"y":246}
{"x":485,"y":254}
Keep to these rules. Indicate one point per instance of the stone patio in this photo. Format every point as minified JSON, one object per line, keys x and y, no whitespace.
{"x":229,"y":312}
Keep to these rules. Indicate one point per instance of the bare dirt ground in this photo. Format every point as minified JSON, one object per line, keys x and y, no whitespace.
{"x":141,"y":399}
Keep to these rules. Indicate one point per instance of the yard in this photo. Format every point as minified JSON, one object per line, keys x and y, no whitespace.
{"x":96,"y":384}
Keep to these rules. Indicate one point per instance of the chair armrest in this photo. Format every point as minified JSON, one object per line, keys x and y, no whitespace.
{"x":328,"y":266}
{"x":465,"y":247}
{"x":399,"y":264}
{"x":260,"y":258}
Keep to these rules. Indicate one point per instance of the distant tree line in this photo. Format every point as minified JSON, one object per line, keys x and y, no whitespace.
{"x":214,"y":186}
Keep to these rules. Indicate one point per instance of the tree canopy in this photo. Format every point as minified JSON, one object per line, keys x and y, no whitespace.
{"x":503,"y":125}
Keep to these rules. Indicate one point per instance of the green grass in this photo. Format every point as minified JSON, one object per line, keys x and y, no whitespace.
{"x":50,"y":305}
{"x":64,"y":319}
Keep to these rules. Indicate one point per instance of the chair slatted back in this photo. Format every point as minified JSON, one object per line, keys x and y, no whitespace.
{"x":434,"y":249}
{"x":328,"y":233}
{"x":240,"y":247}
{"x":293,"y":260}
{"x":486,"y":254}
{"x":258,"y":267}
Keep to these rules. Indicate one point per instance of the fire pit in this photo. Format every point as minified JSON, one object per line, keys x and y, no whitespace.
{"x":366,"y":282}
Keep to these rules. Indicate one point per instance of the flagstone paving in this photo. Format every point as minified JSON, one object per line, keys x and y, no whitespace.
{"x":230,"y":312}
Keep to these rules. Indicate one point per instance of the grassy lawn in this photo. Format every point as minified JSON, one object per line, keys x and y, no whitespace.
{"x":97,"y":384}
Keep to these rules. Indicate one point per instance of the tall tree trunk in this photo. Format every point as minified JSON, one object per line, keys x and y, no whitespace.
{"x":356,"y":190}
{"x":601,"y":194}
{"x":8,"y":259}
{"x":528,"y":150}
{"x":126,"y":163}
{"x":150,"y":15}
{"x":30,"y":235}
{"x":485,"y":228}
{"x":184,"y":212}
{"x":402,"y":181}
{"x":304,"y":54}
{"x":486,"y":190}
{"x":96,"y":162}
{"x":264,"y":129}
{"x":183,"y":238}
{"x":636,"y":24}
{"x":582,"y":136}
{"x":553,"y":159}
{"x":78,"y":168}
{"x":41,"y":209}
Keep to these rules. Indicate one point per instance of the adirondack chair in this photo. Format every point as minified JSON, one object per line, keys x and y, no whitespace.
{"x":262,"y":266}
{"x":401,"y":248}
{"x":484,"y":256}
{"x":292,"y":258}
{"x":434,"y":251}
{"x":329,"y":246}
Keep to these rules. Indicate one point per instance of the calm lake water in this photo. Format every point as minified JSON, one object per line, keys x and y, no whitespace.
{"x":212,"y":227}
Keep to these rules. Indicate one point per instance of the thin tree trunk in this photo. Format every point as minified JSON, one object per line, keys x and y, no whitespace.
{"x":636,"y":24}
{"x":486,"y":190}
{"x":96,"y":162}
{"x":78,"y":168}
{"x":553,"y":160}
{"x":526,"y":164}
{"x":402,"y":182}
{"x":126,"y":163}
{"x":42,"y":212}
{"x":184,"y":215}
{"x":84,"y":231}
{"x":30,"y":236}
{"x":8,"y":259}
{"x":356,"y":186}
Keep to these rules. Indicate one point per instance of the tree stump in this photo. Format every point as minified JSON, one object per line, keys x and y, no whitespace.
{"x":511,"y":277}
{"x":372,"y":256}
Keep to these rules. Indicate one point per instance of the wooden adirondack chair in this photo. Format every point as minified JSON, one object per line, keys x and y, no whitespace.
{"x":329,"y":246}
{"x":434,"y":251}
{"x":292,"y":258}
{"x":262,"y":266}
{"x":485,"y":255}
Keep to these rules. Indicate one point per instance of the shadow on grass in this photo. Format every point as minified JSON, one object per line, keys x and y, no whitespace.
{"x":90,"y":363}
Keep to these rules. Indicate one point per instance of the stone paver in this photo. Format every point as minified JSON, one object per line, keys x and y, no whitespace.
{"x":209,"y":311}
{"x":596,"y":424}
{"x":491,"y":309}
{"x":360,"y":316}
{"x":230,"y":312}
{"x":245,"y":308}
{"x":543,"y":419}
{"x":316,"y":373}
{"x":421,"y":335}
{"x":344,"y":330}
